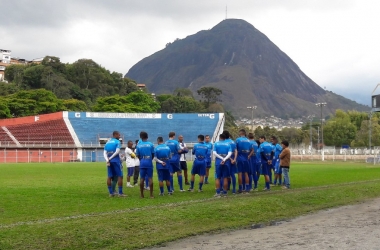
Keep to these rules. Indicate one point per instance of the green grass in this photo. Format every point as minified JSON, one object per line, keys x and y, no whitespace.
{"x":37,"y":200}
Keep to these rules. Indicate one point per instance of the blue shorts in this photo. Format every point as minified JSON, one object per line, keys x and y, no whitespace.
{"x":163,"y":175}
{"x":114,"y":169}
{"x":130,"y":171}
{"x":208,"y":163}
{"x":146,"y":173}
{"x":277,"y":168}
{"x":199,"y":168}
{"x":233,"y":169}
{"x":222,"y":171}
{"x":174,"y":167}
{"x":265,"y":168}
{"x":243,"y":166}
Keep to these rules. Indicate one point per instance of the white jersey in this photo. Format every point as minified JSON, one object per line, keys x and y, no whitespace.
{"x":182,"y":145}
{"x":137,"y":161}
{"x":129,"y":158}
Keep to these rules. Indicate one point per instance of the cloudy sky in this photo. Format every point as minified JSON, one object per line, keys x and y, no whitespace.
{"x":335,"y":42}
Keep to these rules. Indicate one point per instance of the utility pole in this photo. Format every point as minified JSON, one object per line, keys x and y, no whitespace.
{"x":322,"y":104}
{"x":311,"y":133}
{"x":252,"y":108}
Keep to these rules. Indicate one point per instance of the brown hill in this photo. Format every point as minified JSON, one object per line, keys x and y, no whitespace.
{"x":251,"y":70}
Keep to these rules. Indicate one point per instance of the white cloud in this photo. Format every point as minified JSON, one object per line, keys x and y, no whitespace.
{"x":334,"y":42}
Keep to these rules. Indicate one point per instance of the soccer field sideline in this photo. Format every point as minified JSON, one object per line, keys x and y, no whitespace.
{"x":174,"y":204}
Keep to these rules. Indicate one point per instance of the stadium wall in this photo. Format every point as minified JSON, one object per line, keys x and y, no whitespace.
{"x":16,"y":155}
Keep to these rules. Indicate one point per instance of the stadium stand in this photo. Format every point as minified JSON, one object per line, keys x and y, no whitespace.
{"x":80,"y":136}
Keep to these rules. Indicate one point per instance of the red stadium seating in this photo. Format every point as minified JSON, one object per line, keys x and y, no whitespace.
{"x":5,"y":140}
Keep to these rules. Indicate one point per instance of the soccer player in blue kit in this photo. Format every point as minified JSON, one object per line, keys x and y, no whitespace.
{"x":266,"y":153}
{"x":145,"y":152}
{"x":276,"y":160}
{"x":255,"y":168}
{"x":111,"y":155}
{"x":222,"y":153}
{"x":208,"y":158}
{"x":174,"y":161}
{"x":233,"y":168}
{"x":200,"y":151}
{"x":161,"y":156}
{"x":243,"y":147}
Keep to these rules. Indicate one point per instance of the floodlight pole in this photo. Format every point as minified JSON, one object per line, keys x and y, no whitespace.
{"x":311,"y":134}
{"x":322,"y":104}
{"x":252,"y":108}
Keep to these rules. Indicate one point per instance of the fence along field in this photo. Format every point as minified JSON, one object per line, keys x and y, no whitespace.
{"x":66,"y":205}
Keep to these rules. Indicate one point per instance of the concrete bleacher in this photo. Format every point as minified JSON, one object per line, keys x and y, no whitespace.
{"x":5,"y":140}
{"x":89,"y":127}
{"x":45,"y":132}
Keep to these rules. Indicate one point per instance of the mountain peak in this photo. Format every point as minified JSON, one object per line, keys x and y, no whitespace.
{"x":240,"y":60}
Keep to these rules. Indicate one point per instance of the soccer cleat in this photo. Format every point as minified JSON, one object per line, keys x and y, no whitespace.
{"x":130,"y":186}
{"x":217,"y":195}
{"x":190,"y":190}
{"x":255,"y":190}
{"x":239,"y":191}
{"x":285,"y":187}
{"x":207,"y":182}
{"x":111,"y":195}
{"x":182,"y":190}
{"x":161,"y":194}
{"x":266,"y":189}
{"x":170,"y":193}
{"x":200,"y":190}
{"x":147,"y":188}
{"x":122,"y":195}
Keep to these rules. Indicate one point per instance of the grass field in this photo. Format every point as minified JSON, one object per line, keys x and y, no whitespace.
{"x":66,"y":206}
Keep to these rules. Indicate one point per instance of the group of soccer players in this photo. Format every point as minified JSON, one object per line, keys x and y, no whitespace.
{"x":245,"y":157}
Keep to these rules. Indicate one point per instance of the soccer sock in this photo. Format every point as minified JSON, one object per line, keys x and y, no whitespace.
{"x":233,"y":177}
{"x":180,"y":182}
{"x":275,"y":181}
{"x":267,"y":185}
{"x":161,"y":190}
{"x":171,"y":182}
{"x":206,"y":179}
{"x":240,"y":187}
{"x":110,"y":189}
{"x":218,"y":191}
{"x":250,"y":182}
{"x":169,"y":188}
{"x":120,"y":190}
{"x":229,"y":184}
{"x":270,"y":177}
{"x":191,"y":184}
{"x":246,"y":187}
{"x":255,"y":182}
{"x":200,"y":185}
{"x":280,"y":181}
{"x":258,"y":177}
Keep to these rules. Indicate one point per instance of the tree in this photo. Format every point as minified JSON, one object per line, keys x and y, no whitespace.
{"x":339,"y":130}
{"x":183,"y":92}
{"x":4,"y":110}
{"x":209,"y":95}
{"x":74,"y":105}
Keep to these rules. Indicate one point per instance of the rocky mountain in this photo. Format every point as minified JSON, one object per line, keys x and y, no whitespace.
{"x":241,"y":61}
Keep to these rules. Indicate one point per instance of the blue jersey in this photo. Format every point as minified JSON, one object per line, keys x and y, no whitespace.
{"x":277,"y":151}
{"x":222,"y":148}
{"x":233,"y":147}
{"x":209,"y":146}
{"x":174,"y":148}
{"x":162,"y":152}
{"x":266,"y":150}
{"x":200,"y":151}
{"x":111,"y":147}
{"x":144,"y":150}
{"x":254,"y":147}
{"x":243,"y":146}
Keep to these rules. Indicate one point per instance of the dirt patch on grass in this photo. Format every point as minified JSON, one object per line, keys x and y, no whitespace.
{"x":348,"y":227}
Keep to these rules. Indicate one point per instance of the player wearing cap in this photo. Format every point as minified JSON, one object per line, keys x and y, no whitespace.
{"x":161,"y":156}
{"x":208,"y":158}
{"x":174,"y":161}
{"x":222,"y":153}
{"x":200,"y":151}
{"x":111,"y":155}
{"x":145,"y":152}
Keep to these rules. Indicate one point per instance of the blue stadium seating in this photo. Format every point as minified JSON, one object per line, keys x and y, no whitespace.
{"x":89,"y":127}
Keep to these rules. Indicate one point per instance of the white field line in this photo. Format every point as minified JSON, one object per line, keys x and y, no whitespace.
{"x":175,"y":204}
